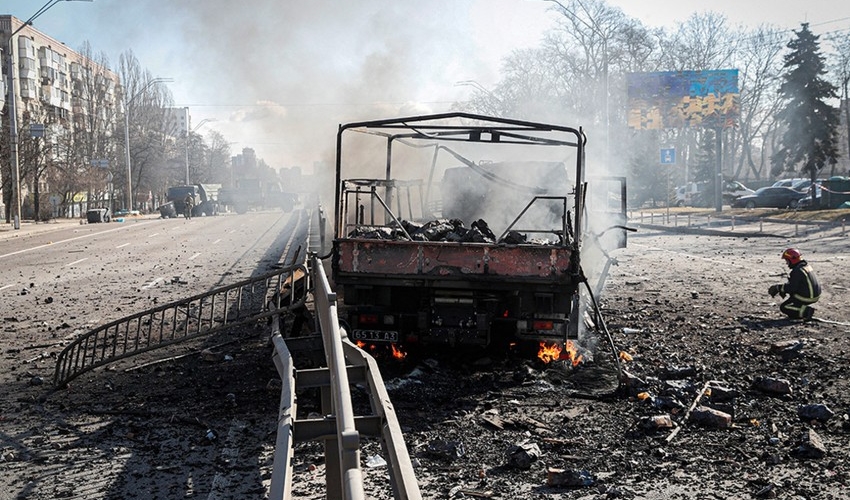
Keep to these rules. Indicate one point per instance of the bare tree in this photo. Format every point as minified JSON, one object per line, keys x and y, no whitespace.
{"x":218,"y":158}
{"x":89,"y":153}
{"x":760,"y":63}
{"x":839,"y":65}
{"x":147,"y":101}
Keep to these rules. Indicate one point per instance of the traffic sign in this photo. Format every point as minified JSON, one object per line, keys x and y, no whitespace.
{"x":668,"y":156}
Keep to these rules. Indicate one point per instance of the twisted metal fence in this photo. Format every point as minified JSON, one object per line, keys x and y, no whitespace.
{"x":203,"y":314}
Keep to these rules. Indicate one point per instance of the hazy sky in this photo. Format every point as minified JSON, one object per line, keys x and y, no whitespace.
{"x":280,"y":75}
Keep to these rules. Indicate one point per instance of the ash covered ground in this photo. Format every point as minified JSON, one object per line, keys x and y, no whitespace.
{"x":726,"y":400}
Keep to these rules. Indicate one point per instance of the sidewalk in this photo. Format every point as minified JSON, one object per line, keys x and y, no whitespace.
{"x":29,"y":227}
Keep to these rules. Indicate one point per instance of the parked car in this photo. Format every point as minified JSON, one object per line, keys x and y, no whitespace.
{"x":804,"y":185}
{"x":806,"y":202}
{"x":732,"y":190}
{"x":123,"y":212}
{"x":770,"y":197}
{"x":787,"y":182}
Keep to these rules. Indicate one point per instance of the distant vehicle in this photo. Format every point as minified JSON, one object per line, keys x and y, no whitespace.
{"x":694,"y":194}
{"x":252,"y":193}
{"x":804,"y":185}
{"x":732,"y":190}
{"x":203,"y":194}
{"x":123,"y":212}
{"x":686,"y":195}
{"x":787,"y":182}
{"x":770,"y":197}
{"x":806,"y":202}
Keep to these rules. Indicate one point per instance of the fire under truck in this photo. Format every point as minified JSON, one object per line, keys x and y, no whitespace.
{"x":464,"y":229}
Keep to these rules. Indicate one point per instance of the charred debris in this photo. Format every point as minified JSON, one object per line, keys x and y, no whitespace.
{"x":444,"y":230}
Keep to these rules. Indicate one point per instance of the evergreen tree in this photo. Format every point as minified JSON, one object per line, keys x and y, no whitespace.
{"x":811,"y":135}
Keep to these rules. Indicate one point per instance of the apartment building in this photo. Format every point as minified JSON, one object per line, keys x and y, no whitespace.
{"x":52,"y":84}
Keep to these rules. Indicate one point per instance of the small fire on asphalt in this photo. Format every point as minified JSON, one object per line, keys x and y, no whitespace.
{"x":555,"y":351}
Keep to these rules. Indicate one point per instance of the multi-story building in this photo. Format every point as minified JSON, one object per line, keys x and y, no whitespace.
{"x":52,"y":84}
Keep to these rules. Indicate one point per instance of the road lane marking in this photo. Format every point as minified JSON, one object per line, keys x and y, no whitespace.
{"x":216,"y":241}
{"x":77,"y":261}
{"x":195,"y":256}
{"x":122,"y":246}
{"x":154,"y":234}
{"x":152,"y":283}
{"x":7,"y":286}
{"x":71,"y":239}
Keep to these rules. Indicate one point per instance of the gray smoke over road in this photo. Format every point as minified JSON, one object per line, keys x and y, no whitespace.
{"x":285,"y":74}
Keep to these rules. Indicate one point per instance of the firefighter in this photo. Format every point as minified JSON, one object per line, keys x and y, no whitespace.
{"x":802,"y":287}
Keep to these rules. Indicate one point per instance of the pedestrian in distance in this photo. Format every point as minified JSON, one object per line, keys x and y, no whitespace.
{"x":188,"y":204}
{"x":802,"y":287}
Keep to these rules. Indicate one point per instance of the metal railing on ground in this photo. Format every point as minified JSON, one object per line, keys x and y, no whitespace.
{"x":765,"y":226}
{"x":203,"y":314}
{"x":341,"y":429}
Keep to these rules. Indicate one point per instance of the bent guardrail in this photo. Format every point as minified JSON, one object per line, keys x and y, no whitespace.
{"x":341,"y":430}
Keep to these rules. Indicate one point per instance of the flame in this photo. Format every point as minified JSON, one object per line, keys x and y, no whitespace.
{"x":398,"y":353}
{"x":380,"y":349}
{"x":553,"y":351}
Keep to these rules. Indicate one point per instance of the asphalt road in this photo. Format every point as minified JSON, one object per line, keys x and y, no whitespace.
{"x":60,"y":281}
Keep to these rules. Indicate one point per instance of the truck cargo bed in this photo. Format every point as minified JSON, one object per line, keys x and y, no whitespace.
{"x":451,"y":261}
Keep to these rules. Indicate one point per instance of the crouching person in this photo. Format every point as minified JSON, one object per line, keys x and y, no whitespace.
{"x":802,"y":287}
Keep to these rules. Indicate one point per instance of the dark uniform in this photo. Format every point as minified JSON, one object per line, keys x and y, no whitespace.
{"x":802,"y":287}
{"x":189,"y":202}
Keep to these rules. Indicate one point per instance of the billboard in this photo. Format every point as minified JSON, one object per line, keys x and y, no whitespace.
{"x":673,"y":99}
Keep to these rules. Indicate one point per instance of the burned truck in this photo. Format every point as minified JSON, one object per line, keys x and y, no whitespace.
{"x":463,"y":229}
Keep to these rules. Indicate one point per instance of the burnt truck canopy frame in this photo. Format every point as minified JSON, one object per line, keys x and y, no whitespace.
{"x":442,"y":135}
{"x":458,"y":228}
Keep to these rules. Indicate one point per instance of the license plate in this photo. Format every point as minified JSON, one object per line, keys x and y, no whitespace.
{"x":375,"y":335}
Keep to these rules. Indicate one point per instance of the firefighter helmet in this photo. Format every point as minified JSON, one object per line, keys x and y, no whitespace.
{"x":792,"y":256}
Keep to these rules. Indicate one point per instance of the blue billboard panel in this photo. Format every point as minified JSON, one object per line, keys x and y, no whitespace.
{"x":672,"y":99}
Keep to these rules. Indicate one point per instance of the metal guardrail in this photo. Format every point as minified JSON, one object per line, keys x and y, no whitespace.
{"x":203,"y":314}
{"x":341,"y":430}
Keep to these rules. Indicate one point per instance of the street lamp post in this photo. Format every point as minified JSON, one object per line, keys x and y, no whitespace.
{"x":477,"y":86}
{"x":13,"y":112}
{"x":129,"y":195}
{"x":189,"y":133}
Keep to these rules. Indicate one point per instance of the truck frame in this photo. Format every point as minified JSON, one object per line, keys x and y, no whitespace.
{"x":516,"y":278}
